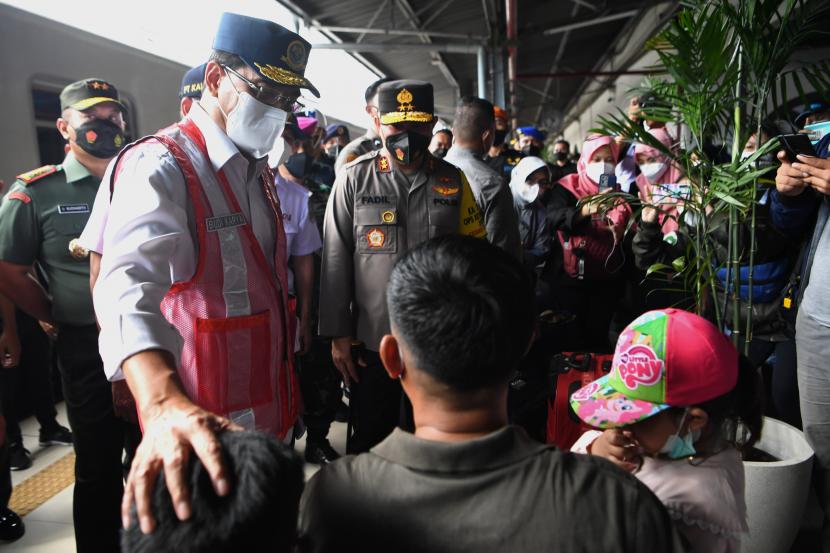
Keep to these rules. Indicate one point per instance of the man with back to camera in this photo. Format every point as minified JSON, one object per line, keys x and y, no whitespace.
{"x":462,"y":315}
{"x":369,"y":141}
{"x":193,"y":296}
{"x":473,"y":129}
{"x":382,"y":204}
{"x":40,"y":221}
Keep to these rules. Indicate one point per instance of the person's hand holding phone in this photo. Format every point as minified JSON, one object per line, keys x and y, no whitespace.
{"x":789,"y":181}
{"x":815,"y":172}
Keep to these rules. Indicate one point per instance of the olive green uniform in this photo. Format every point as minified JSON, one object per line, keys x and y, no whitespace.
{"x":43,"y":213}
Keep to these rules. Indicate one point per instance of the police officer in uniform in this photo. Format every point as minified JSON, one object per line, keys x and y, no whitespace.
{"x":335,"y":139}
{"x":369,"y":141}
{"x":382,"y":204}
{"x":40,"y":221}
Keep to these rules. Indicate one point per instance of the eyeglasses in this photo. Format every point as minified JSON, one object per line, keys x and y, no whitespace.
{"x":267,"y":96}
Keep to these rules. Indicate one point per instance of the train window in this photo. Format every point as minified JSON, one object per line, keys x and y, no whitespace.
{"x":47,"y":108}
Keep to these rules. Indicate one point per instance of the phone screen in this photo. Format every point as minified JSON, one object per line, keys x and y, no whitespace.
{"x":795,"y":144}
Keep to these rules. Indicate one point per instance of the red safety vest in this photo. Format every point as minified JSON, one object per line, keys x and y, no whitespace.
{"x":234,"y":314}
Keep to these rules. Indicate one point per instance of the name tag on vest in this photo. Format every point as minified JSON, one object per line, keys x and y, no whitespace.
{"x":68,"y":209}
{"x":225,"y":221}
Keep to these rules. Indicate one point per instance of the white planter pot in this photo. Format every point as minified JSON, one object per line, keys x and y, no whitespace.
{"x":776,"y":492}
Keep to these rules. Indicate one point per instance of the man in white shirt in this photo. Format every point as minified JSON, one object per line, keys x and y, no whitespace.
{"x":192,"y":296}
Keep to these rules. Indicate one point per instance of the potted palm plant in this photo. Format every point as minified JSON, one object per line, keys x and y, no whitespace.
{"x":725,"y":65}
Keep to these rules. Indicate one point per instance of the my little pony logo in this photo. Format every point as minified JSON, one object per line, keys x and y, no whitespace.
{"x":639,"y":365}
{"x":585,"y":393}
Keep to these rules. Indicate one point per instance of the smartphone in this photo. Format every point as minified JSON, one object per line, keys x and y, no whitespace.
{"x":796,"y":144}
{"x":607,"y":182}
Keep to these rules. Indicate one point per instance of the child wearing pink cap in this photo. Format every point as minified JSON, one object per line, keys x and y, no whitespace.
{"x":677,"y":409}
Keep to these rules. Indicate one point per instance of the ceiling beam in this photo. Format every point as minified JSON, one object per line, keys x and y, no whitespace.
{"x":302,"y":14}
{"x":450,"y":48}
{"x":372,"y":19}
{"x":555,"y":65}
{"x":437,"y":58}
{"x":397,"y":32}
{"x":590,"y":22}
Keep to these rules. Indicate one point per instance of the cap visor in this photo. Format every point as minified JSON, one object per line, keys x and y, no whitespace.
{"x":284,"y":77}
{"x":406,"y":116}
{"x":601,"y":406}
{"x":90,"y":102}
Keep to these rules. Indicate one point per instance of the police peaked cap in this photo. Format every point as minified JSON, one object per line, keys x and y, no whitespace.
{"x":405,"y":101}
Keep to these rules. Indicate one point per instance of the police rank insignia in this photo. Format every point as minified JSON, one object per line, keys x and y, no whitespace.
{"x":383,"y":165}
{"x":405,"y":100}
{"x":376,"y":238}
{"x":446,"y":190}
{"x":38,"y":173}
{"x":388,"y":217}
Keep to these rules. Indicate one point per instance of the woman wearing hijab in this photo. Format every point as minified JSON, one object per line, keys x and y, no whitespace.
{"x":585,"y":271}
{"x":529,"y":181}
{"x":659,"y":182}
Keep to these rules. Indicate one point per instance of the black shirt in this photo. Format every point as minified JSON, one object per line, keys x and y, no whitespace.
{"x":503,"y":492}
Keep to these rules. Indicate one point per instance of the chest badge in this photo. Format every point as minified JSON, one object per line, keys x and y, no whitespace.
{"x":446,"y":190}
{"x":376,"y":238}
{"x":388,"y":217}
{"x":77,"y":251}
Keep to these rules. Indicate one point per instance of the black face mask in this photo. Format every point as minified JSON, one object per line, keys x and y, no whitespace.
{"x":561,"y":156}
{"x":499,"y":136}
{"x":405,"y":147}
{"x":440,"y":152}
{"x":531,"y":150}
{"x":100,"y":138}
{"x":298,"y":164}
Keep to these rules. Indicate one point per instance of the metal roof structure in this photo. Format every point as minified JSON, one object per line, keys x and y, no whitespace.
{"x":540,"y":56}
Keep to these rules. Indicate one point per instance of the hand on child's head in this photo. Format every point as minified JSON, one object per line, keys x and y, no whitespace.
{"x":620,"y":447}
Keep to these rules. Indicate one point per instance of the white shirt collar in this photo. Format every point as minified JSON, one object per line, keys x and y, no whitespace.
{"x":219,"y":147}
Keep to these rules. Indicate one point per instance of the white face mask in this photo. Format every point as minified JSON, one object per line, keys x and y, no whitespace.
{"x":598,"y":168}
{"x":280,"y":153}
{"x":253,"y":126}
{"x":746,"y":154}
{"x":528,"y":193}
{"x":653,"y":171}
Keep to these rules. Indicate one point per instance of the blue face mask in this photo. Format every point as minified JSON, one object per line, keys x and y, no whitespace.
{"x":677,"y":447}
{"x":817,"y":131}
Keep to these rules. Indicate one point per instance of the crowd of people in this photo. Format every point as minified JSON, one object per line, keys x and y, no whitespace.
{"x":249,"y":274}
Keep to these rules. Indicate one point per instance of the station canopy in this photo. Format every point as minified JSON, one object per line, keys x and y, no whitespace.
{"x":460,"y":45}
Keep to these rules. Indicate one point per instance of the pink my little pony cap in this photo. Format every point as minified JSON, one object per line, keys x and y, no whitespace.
{"x":665,"y":358}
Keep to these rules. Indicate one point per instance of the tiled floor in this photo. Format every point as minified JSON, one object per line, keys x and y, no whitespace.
{"x":49,"y":527}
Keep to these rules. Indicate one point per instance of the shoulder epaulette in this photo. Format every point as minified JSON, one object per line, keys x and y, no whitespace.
{"x":361,"y":158}
{"x":37,"y":174}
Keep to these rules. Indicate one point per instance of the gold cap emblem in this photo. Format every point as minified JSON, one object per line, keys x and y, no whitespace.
{"x":405,"y":100}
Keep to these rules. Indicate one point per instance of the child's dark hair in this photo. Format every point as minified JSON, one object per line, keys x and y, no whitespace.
{"x":739,"y":413}
{"x":260,"y":513}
